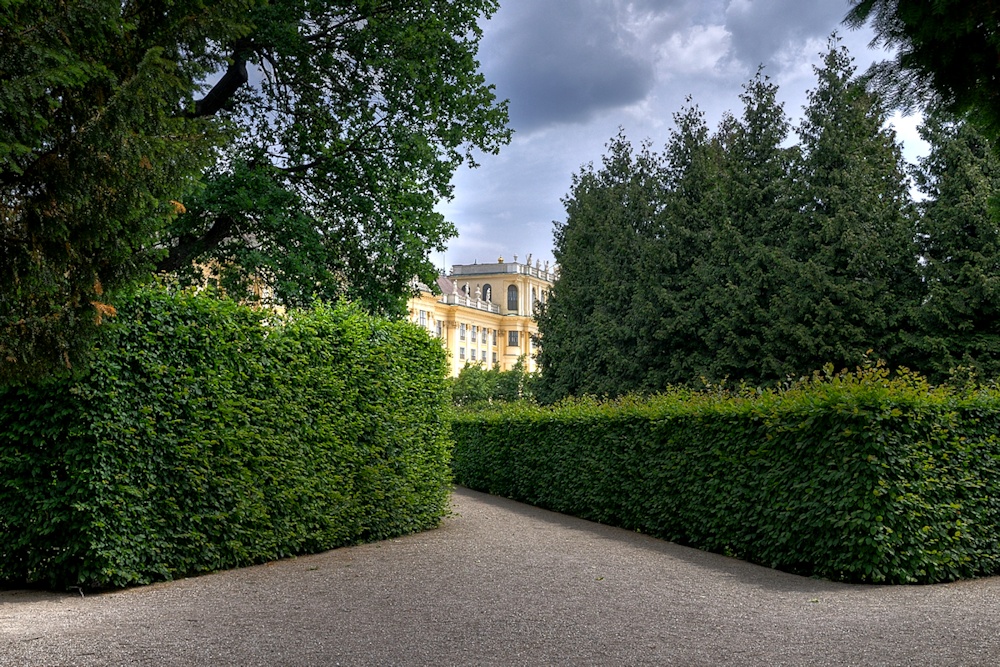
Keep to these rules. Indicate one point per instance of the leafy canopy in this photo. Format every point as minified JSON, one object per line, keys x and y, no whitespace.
{"x":312,"y":163}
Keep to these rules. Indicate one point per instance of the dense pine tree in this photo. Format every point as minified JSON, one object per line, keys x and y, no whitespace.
{"x":742,"y":277}
{"x":591,"y":336}
{"x":668,"y":305}
{"x":958,"y":323}
{"x":945,"y":50}
{"x":734,"y":255}
{"x":852,"y":270}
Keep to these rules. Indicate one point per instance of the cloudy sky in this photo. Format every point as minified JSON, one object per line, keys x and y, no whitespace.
{"x":577,"y":70}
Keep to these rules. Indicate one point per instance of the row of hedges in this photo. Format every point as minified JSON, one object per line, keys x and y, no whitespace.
{"x":206,"y":437}
{"x":855,"y":477}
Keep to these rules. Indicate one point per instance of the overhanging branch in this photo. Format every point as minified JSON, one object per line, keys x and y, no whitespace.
{"x":223,"y":91}
{"x":189,"y":247}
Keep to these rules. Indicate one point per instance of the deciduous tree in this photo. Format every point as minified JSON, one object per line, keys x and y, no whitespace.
{"x":331,"y":134}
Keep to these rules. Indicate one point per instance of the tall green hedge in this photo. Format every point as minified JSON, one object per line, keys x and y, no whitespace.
{"x":208,"y":436}
{"x":855,"y":478}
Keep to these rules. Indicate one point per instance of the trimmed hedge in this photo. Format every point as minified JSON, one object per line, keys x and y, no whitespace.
{"x":855,"y":477}
{"x":206,"y":437}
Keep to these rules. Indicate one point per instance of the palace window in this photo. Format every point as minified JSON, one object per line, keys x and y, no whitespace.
{"x":512,"y":338}
{"x":461,"y":331}
{"x":461,"y":353}
{"x":475,"y":334}
{"x":512,"y":298}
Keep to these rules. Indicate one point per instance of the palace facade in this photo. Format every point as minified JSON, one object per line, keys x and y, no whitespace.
{"x":484,"y":313}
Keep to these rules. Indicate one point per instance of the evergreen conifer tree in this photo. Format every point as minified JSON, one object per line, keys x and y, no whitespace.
{"x":587,"y":323}
{"x":851,"y":274}
{"x":958,"y":322}
{"x":742,"y":276}
{"x":668,"y":305}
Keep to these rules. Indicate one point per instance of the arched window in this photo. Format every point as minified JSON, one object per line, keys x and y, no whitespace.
{"x":512,"y":298}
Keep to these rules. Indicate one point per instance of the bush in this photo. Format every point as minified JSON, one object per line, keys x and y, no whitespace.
{"x":205,"y":437}
{"x":477,"y":385}
{"x":855,"y":477}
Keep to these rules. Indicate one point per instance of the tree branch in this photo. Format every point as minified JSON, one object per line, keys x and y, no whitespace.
{"x":354,"y":146}
{"x":223,"y":91}
{"x":190,"y":246}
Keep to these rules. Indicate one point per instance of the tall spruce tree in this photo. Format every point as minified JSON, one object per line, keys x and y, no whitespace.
{"x":733,"y":254}
{"x":851,"y":274}
{"x":669,"y":304}
{"x":958,"y":322}
{"x":741,"y":277}
{"x":588,"y":322}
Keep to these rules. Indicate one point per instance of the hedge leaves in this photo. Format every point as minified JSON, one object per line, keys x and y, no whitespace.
{"x":207,"y":435}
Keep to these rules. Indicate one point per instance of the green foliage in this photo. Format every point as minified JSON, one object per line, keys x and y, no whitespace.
{"x":947,"y":51}
{"x":476,"y":384}
{"x":855,"y":477}
{"x":588,"y":323}
{"x":673,"y":264}
{"x":377,"y":105}
{"x":734,"y":255}
{"x":851,"y":275}
{"x":208,"y":435}
{"x":960,"y":251}
{"x":740,"y":274}
{"x":90,"y":155}
{"x":319,"y":177}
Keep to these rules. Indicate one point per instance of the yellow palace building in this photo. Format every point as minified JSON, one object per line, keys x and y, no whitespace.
{"x":485,"y":312}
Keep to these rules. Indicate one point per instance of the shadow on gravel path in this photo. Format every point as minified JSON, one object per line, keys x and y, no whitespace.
{"x":501,"y":583}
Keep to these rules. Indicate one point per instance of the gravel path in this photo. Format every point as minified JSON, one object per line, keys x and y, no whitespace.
{"x":502,"y":583}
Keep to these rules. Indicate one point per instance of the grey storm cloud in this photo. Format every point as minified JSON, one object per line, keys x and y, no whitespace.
{"x":761,"y":28}
{"x":576,"y":71}
{"x":564,"y":61}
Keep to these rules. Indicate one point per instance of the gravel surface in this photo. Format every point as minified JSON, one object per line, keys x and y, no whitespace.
{"x":500,"y":583}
